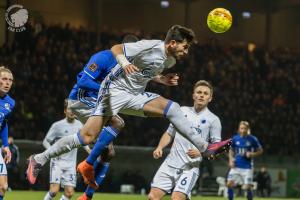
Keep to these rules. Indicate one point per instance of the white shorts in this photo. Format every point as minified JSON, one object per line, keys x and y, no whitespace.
{"x":63,"y":176}
{"x":3,"y":170}
{"x":167,"y":178}
{"x":240,"y":176}
{"x":81,"y":110}
{"x":113,"y":100}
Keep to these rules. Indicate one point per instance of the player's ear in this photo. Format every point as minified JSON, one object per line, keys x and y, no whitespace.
{"x":172,"y":42}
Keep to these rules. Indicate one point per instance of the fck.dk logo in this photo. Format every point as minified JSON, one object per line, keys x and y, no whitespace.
{"x":16,"y":17}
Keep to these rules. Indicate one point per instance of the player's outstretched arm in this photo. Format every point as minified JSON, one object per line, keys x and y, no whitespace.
{"x":118,"y":52}
{"x":164,"y":141}
{"x":170,"y":79}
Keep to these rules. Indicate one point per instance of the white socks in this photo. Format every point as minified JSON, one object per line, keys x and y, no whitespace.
{"x":63,"y":145}
{"x":184,"y":126}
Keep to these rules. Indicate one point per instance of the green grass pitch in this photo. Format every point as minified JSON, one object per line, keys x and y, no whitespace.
{"x":33,"y":195}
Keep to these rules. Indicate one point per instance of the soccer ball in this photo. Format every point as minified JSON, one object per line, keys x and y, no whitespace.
{"x":219,"y":20}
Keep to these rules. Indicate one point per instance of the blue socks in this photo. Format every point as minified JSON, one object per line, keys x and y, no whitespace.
{"x":230,"y":193}
{"x":1,"y":197}
{"x":249,"y":194}
{"x":100,"y":172}
{"x":107,"y":135}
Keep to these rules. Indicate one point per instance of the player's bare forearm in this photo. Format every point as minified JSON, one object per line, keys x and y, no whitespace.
{"x":258,"y":152}
{"x":117,"y":49}
{"x":231,"y":155}
{"x":164,"y":140}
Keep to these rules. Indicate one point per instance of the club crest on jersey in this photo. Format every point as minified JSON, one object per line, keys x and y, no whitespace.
{"x":203,"y":121}
{"x":237,"y":143}
{"x":7,"y":106}
{"x":147,"y":73}
{"x":248,"y":143}
{"x":93,"y":67}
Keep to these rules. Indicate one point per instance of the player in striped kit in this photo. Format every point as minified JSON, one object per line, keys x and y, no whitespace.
{"x":180,"y":170}
{"x":244,"y":148}
{"x":63,"y":167}
{"x":123,"y":91}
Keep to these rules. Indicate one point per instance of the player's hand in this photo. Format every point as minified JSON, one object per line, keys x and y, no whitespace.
{"x":170,"y":79}
{"x":193,"y":153}
{"x":129,"y":69}
{"x":248,"y":154}
{"x":7,"y":154}
{"x":157,"y":153}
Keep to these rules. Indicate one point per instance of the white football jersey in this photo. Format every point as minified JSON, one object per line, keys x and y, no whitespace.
{"x":149,"y":56}
{"x":208,"y":126}
{"x":58,"y":130}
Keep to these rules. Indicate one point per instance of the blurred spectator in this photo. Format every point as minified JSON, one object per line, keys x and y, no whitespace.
{"x":263,"y":183}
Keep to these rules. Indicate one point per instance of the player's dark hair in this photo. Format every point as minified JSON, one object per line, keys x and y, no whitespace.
{"x":130,"y":38}
{"x":204,"y":83}
{"x":180,"y":33}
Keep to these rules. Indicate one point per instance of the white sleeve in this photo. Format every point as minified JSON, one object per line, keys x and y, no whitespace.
{"x":133,"y":49}
{"x":50,"y":137}
{"x":171,"y":130}
{"x":215,"y":131}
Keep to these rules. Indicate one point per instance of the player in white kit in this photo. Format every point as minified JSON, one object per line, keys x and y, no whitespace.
{"x":180,"y":170}
{"x":63,"y":167}
{"x":122,"y":91}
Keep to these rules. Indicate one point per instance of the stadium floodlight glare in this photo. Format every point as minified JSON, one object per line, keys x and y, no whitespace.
{"x":164,"y":4}
{"x":246,"y":15}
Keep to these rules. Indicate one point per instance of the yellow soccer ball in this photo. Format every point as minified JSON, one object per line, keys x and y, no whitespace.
{"x":219,"y":20}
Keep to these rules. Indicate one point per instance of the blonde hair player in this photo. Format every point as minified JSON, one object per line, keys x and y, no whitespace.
{"x":244,"y":148}
{"x":180,"y":170}
{"x":7,"y":105}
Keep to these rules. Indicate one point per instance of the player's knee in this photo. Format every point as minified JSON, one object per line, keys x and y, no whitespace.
{"x":230,"y":184}
{"x":108,"y":154}
{"x":69,"y":193}
{"x":117,"y":122}
{"x":152,"y":196}
{"x":3,"y":188}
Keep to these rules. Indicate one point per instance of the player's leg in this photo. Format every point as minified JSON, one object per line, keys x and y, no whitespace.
{"x":161,"y":107}
{"x":178,"y":196}
{"x":101,"y":167}
{"x":162,"y":182}
{"x":53,"y":190}
{"x":232,"y":178}
{"x":3,"y":178}
{"x":68,"y":193}
{"x":3,"y":185}
{"x":247,"y":179}
{"x":107,"y":135}
{"x":68,"y":182}
{"x":156,"y":194}
{"x":85,"y":136}
{"x":184,"y":184}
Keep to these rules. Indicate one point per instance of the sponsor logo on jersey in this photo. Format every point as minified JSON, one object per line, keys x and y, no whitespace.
{"x":93,"y":67}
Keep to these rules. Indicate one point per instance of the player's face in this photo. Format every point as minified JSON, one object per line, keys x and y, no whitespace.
{"x":178,"y":49}
{"x":202,"y":96}
{"x":6,"y":80}
{"x":243,"y":129}
{"x":69,"y":114}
